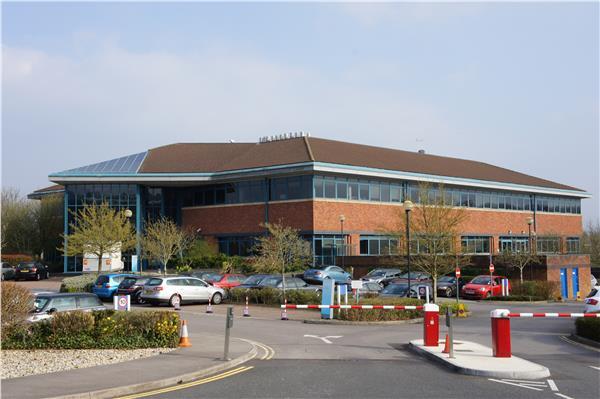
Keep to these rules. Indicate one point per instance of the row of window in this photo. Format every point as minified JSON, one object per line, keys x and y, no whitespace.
{"x":379,"y":191}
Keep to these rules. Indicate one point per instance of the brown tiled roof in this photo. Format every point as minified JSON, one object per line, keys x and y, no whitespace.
{"x":55,"y":187}
{"x":216,"y":157}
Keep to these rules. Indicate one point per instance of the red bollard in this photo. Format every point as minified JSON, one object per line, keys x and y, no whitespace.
{"x":501,"y":333}
{"x":431,"y":327}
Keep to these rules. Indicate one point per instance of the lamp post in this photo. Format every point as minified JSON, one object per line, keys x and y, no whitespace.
{"x":408,"y":206}
{"x":342,"y":219}
{"x":529,"y":223}
{"x":128,"y":214}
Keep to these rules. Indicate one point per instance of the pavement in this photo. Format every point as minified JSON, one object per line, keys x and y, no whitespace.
{"x":474,"y":359}
{"x":182,"y":365}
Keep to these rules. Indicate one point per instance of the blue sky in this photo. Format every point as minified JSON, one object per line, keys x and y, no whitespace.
{"x":513,"y":84}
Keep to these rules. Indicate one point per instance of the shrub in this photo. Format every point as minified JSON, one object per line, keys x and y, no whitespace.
{"x":15,"y":259}
{"x":82,"y":283}
{"x":380,"y":314}
{"x":453,"y":307}
{"x":271,"y":296}
{"x":520,"y":298}
{"x":98,"y":330}
{"x":17,"y":301}
{"x":588,"y":328}
{"x":539,"y":289}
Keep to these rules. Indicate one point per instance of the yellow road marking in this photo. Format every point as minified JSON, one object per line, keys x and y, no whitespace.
{"x":269,"y":352}
{"x":189,"y":384}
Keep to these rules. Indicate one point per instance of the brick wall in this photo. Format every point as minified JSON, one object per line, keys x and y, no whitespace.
{"x":582,"y":262}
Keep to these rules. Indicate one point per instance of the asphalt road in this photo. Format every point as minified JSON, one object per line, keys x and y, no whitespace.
{"x":373,"y":362}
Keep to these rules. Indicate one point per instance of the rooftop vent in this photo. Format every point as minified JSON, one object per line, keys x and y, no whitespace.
{"x":283,"y":136}
{"x":421,"y":151}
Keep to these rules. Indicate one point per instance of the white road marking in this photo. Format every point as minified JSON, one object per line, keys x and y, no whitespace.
{"x":595,"y":368}
{"x":324,"y":339}
{"x":552,"y":385}
{"x":562,"y":396}
{"x":530,"y":382}
{"x":578,"y":344}
{"x":517,"y":385}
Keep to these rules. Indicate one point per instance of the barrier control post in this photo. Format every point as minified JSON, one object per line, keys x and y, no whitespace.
{"x":431,"y":328}
{"x":501,"y":333}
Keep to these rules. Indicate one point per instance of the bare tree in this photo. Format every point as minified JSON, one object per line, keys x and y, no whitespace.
{"x":98,"y":230}
{"x":281,"y":250}
{"x":163,"y":239}
{"x":591,"y":242}
{"x":435,"y":233}
{"x":516,"y":259}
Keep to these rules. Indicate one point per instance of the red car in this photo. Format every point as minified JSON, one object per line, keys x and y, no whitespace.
{"x":228,"y":280}
{"x":480,"y":287}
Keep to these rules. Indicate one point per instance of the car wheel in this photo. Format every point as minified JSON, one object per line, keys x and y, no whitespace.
{"x":175,"y":301}
{"x":138,"y":298}
{"x":448,"y":292}
{"x":217,"y":298}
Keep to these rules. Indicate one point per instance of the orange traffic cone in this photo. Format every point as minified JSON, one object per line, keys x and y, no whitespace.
{"x":447,"y":345}
{"x":184,"y":340}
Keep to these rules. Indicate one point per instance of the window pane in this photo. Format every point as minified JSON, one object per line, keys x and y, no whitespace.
{"x":318,"y":184}
{"x":375,"y":192}
{"x":342,"y":190}
{"x":353,"y":191}
{"x":395,"y":194}
{"x":329,"y":189}
{"x":364,"y":192}
{"x":385,"y":192}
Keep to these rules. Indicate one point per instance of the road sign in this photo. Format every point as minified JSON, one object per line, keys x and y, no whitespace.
{"x":491,"y":268}
{"x":457,"y":272}
{"x":122,"y":302}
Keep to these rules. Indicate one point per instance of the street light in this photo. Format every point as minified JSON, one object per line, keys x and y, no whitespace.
{"x":529,"y":223}
{"x":128,"y":214}
{"x":342,"y":219}
{"x":408,"y":206}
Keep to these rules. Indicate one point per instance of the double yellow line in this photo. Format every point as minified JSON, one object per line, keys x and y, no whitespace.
{"x":269,"y":352}
{"x":189,"y":384}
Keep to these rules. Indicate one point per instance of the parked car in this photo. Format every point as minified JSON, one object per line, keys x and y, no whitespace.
{"x":46,"y":305}
{"x":253,"y":281}
{"x":401,"y":290}
{"x":178,"y":290}
{"x":133,"y":286}
{"x":318,"y":274}
{"x":414,"y":276}
{"x":291,"y":283}
{"x":481,"y":287}
{"x":8,"y":272}
{"x":446,"y":286}
{"x":592,"y":301}
{"x":206,"y":276}
{"x":211,"y":277}
{"x":370,"y":287}
{"x":228,"y":280}
{"x":382,"y":276}
{"x":31,"y":271}
{"x":106,"y":285}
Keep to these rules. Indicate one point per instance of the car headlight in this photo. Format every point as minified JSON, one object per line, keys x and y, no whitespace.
{"x":482,"y":289}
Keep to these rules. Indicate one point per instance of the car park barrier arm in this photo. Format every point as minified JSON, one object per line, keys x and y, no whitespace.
{"x":431,"y":328}
{"x":501,"y":340}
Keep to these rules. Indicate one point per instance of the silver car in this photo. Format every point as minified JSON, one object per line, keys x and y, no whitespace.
{"x":177,"y":290}
{"x":46,"y":305}
{"x":8,"y":272}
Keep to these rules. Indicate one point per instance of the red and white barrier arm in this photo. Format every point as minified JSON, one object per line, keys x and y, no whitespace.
{"x":387,"y":307}
{"x":567,"y":315}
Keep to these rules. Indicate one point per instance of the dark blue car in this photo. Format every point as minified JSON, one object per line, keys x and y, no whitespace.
{"x":106,"y":284}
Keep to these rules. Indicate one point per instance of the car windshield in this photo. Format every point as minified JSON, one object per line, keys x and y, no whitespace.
{"x":446,"y":279}
{"x":395,"y":289}
{"x":39,"y":303}
{"x":270,"y":282}
{"x":412,"y":275}
{"x":376,"y":273}
{"x":253,"y":280}
{"x":481,"y":280}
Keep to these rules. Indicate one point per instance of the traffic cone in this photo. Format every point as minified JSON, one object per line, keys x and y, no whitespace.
{"x":284,"y":311}
{"x":246,"y":310}
{"x":209,"y":307}
{"x":184,"y":340}
{"x":447,"y":345}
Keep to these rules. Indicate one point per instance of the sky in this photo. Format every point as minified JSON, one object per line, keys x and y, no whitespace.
{"x":512,"y":84}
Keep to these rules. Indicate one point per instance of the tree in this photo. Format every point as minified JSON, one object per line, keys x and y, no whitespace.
{"x":49,"y":221}
{"x":516,"y":259}
{"x":19,"y":228}
{"x":435,"y":233}
{"x":281,"y":250}
{"x":591,"y":243}
{"x":163,"y":239}
{"x":98,"y":230}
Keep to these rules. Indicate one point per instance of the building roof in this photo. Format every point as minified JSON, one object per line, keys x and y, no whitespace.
{"x":218,"y":158}
{"x":50,"y":190}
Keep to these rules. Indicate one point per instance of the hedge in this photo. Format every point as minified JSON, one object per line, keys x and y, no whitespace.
{"x":588,"y":327}
{"x":391,"y":315}
{"x":105,"y":329}
{"x":512,"y":298}
{"x":82,"y":283}
{"x":272,"y":296}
